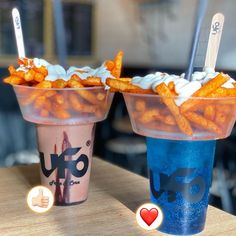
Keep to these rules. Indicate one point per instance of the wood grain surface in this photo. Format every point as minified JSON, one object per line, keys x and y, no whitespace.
{"x":114,"y":196}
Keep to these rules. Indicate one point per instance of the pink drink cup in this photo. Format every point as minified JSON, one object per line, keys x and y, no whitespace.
{"x":65,"y":136}
{"x":66,"y":157}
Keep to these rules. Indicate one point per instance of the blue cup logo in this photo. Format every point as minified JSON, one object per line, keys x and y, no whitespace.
{"x":192,"y":191}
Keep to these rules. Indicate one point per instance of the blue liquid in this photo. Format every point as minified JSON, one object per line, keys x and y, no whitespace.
{"x":180,"y":178}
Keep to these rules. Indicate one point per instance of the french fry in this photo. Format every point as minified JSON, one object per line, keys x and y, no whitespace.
{"x":78,"y":106}
{"x":25,"y":61}
{"x":44,"y":113}
{"x":88,"y":96}
{"x":74,"y":83}
{"x":29,"y":75}
{"x":47,"y":105}
{"x":59,"y":83}
{"x":204,"y":91}
{"x":150,"y":115}
{"x":109,"y":65}
{"x":167,"y":98}
{"x":14,"y":80}
{"x":169,"y":120}
{"x":223,"y":92}
{"x":38,"y":77}
{"x":61,"y":113}
{"x":125,"y":79}
{"x":50,"y":93}
{"x":31,"y":98}
{"x":19,"y":73}
{"x":210,"y":112}
{"x":42,"y":70}
{"x":39,"y":102}
{"x":44,"y":84}
{"x":221,"y":118}
{"x":171,"y":85}
{"x":227,"y":109}
{"x":101,"y":96}
{"x":59,"y":99}
{"x":160,"y":126}
{"x":140,"y":105}
{"x":122,"y":86}
{"x":11,"y":69}
{"x":92,"y":81}
{"x":116,"y":71}
{"x":203,"y":122}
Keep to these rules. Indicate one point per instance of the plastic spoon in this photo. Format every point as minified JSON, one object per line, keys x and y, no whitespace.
{"x":217,"y":25}
{"x":18,"y":32}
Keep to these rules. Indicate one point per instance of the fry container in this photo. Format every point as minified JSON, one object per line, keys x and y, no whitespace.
{"x":150,"y":117}
{"x":65,"y":122}
{"x":180,"y":164}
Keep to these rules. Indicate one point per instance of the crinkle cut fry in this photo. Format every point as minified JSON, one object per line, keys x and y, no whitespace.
{"x":203,"y":122}
{"x":123,"y":86}
{"x":204,"y":91}
{"x":167,"y":98}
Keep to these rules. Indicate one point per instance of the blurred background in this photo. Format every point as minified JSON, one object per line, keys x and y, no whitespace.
{"x":155,"y":36}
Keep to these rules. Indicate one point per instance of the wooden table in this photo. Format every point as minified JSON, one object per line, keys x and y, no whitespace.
{"x":114,"y":196}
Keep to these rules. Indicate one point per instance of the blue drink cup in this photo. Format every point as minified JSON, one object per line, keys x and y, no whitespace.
{"x":180,"y":178}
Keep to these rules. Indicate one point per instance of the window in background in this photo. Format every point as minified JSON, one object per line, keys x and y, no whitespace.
{"x":78,"y":25}
{"x":32,"y":21}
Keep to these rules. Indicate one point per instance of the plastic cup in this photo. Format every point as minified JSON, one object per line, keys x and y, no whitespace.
{"x":180,"y":177}
{"x":66,"y":156}
{"x":65,"y":122}
{"x":180,"y":165}
{"x":150,"y":117}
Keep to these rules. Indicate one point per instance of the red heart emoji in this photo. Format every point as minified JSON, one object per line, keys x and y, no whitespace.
{"x":148,"y":216}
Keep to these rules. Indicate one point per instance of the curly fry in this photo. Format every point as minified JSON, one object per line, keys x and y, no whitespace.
{"x":167,"y":98}
{"x":203,"y":122}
